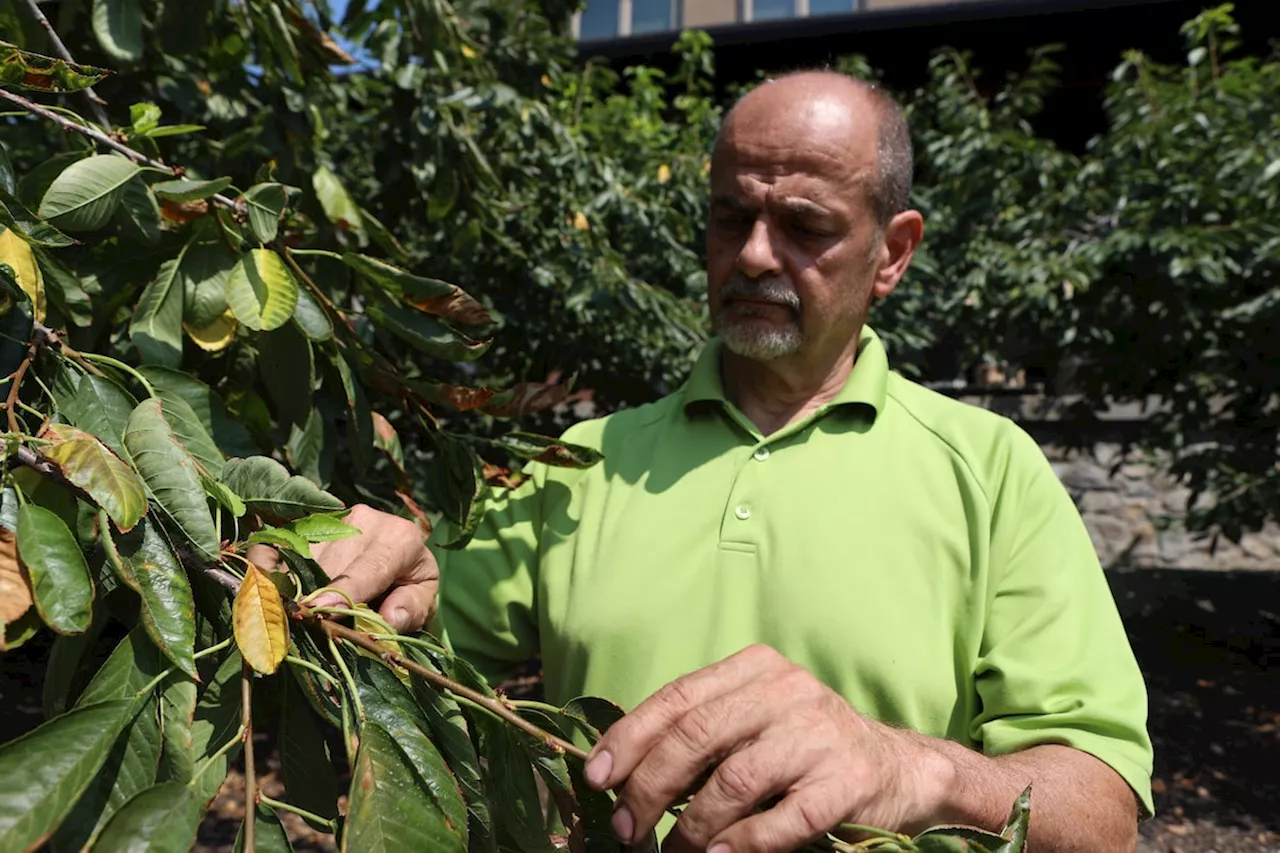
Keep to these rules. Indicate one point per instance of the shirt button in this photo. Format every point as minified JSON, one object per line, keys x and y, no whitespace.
{"x":743,"y":512}
{"x":761,"y":454}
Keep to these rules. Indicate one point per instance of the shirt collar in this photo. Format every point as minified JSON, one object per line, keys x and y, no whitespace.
{"x":865,"y":386}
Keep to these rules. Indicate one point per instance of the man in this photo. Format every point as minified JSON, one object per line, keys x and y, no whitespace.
{"x":826,"y":585}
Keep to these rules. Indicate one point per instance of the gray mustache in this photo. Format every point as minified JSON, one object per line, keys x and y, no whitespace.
{"x":775,"y":290}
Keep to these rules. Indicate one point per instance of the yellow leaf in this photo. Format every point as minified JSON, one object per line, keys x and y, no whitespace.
{"x":546,"y":81}
{"x":16,"y":252}
{"x":468,"y":52}
{"x":216,"y":336}
{"x":580,"y":221}
{"x":261,"y":627}
{"x":664,"y":173}
{"x":15,"y":592}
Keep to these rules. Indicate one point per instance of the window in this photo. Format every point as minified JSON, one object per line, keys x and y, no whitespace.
{"x":830,"y":7}
{"x":599,"y":20}
{"x":768,"y":10}
{"x":651,"y":16}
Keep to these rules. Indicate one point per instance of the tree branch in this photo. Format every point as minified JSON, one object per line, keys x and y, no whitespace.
{"x":95,"y":103}
{"x":102,"y":139}
{"x":250,"y":779}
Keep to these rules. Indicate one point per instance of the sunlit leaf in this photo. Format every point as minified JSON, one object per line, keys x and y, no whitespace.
{"x":27,"y":70}
{"x":216,"y":721}
{"x":337,"y":203}
{"x":86,"y":194}
{"x":283,"y":537}
{"x":216,"y":336}
{"x":156,"y":327}
{"x":177,"y":713}
{"x":323,"y":528}
{"x":261,"y":627}
{"x":60,"y":581}
{"x":261,"y":291}
{"x":20,"y":257}
{"x":268,"y":489}
{"x":100,"y":473}
{"x":229,"y":435}
{"x":118,"y":26}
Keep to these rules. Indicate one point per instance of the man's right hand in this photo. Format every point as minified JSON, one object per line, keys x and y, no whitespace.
{"x":389,"y":557}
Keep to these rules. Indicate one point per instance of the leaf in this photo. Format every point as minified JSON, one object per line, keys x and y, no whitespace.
{"x":215,"y":723}
{"x":261,"y":627}
{"x":99,"y":473}
{"x":428,"y":295}
{"x":383,"y":236}
{"x":322,"y":528}
{"x":145,"y":117}
{"x":311,"y":319}
{"x":15,"y":215}
{"x":147,"y":564}
{"x":268,"y":489}
{"x":62,"y":675}
{"x":216,"y":336}
{"x":205,"y":270}
{"x":549,"y":451}
{"x":513,"y":787}
{"x":26,"y":70}
{"x":118,"y":26}
{"x":426,"y":334}
{"x":230,"y":436}
{"x":14,"y":634}
{"x":337,"y":203}
{"x":305,"y":763}
{"x":261,"y":291}
{"x":382,"y":816}
{"x":101,"y":407}
{"x":86,"y":194}
{"x":162,"y":819}
{"x":287,"y":366}
{"x":265,"y":204}
{"x":156,"y":327}
{"x":44,"y":772}
{"x":191,"y":432}
{"x":268,"y":833}
{"x":943,"y":842}
{"x":65,"y":290}
{"x":171,"y":475}
{"x":305,"y":449}
{"x":60,"y":582}
{"x":283,"y":537}
{"x":15,"y":593}
{"x":177,"y":713}
{"x":189,"y":190}
{"x":139,"y":211}
{"x":524,"y":398}
{"x":20,"y":257}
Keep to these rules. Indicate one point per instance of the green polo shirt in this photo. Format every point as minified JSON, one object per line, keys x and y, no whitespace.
{"x":916,"y":554}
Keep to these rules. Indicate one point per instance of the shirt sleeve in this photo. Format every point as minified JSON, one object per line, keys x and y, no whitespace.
{"x":487,"y":609}
{"x":1055,"y":665}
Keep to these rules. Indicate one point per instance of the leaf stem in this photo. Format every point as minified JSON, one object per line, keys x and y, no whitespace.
{"x":216,"y":647}
{"x":306,"y":664}
{"x":120,"y":365}
{"x":346,"y":673}
{"x":250,"y":778}
{"x":331,"y":825}
{"x":222,"y":750}
{"x":412,"y":641}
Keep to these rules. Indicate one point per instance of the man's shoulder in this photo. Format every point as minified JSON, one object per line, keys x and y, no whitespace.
{"x":611,"y":430}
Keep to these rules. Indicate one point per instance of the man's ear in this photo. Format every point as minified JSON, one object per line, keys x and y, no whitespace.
{"x":901,"y":236}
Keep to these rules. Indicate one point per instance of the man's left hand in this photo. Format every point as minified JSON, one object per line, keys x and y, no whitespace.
{"x":769,"y":729}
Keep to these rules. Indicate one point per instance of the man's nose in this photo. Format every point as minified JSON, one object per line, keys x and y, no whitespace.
{"x":758,"y":256}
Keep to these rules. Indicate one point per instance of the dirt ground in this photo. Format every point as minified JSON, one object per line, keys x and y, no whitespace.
{"x":1208,"y":642}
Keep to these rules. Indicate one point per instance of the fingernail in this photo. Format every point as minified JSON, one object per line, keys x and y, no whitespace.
{"x":624,"y":824}
{"x":327,"y":599}
{"x":718,"y":848}
{"x":599,"y":768}
{"x":399,"y":619}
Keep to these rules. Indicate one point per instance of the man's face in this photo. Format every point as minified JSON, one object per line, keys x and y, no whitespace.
{"x":791,"y":236}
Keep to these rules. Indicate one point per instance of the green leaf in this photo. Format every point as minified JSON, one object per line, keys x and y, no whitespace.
{"x":228,"y":434}
{"x":15,"y":215}
{"x":216,"y":721}
{"x":283,"y":537}
{"x":261,"y":291}
{"x":265,"y":204}
{"x":311,"y":318}
{"x":102,"y":475}
{"x":177,"y":713}
{"x":429,"y":295}
{"x":26,"y":70}
{"x":139,"y":212}
{"x":86,"y":194}
{"x":171,"y":475}
{"x":175,"y":130}
{"x":60,"y":581}
{"x":145,"y":117}
{"x":323,"y":528}
{"x":444,"y":195}
{"x":192,"y":433}
{"x":306,"y":449}
{"x":189,"y":190}
{"x":389,"y":811}
{"x":156,"y":327}
{"x":118,"y":26}
{"x":944,"y":842}
{"x":383,"y":236}
{"x":287,"y":366}
{"x":44,"y":772}
{"x":268,"y":834}
{"x":101,"y":407}
{"x":427,"y":334}
{"x":592,"y":715}
{"x":161,"y":819}
{"x":268,"y":489}
{"x":306,"y":766}
{"x":147,"y":564}
{"x":63,"y":672}
{"x":549,"y":451}
{"x":205,"y":270}
{"x":513,"y":787}
{"x":339,"y":207}
{"x":65,"y":290}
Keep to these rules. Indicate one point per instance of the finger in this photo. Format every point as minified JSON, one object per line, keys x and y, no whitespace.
{"x":691,"y":744}
{"x":802,"y":816}
{"x":262,"y":556}
{"x":630,"y":739}
{"x":739,"y":784}
{"x":407,"y":608}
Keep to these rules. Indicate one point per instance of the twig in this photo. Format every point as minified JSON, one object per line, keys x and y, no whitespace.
{"x":102,"y":139}
{"x":333,"y":629}
{"x":95,"y":102}
{"x":250,"y":780}
{"x":54,"y":339}
{"x":314,"y":288}
{"x":38,"y":339}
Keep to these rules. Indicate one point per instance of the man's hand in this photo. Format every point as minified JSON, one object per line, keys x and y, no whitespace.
{"x":389,"y":556}
{"x":769,"y":729}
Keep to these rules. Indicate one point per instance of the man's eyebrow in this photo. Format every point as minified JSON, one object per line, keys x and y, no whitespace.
{"x":796,"y":206}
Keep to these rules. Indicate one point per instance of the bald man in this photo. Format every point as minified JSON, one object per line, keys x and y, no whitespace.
{"x":822,"y":587}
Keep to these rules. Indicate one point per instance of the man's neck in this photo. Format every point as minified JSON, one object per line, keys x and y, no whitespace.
{"x":778,"y":393}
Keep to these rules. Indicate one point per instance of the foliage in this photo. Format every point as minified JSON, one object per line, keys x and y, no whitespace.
{"x":201,"y":358}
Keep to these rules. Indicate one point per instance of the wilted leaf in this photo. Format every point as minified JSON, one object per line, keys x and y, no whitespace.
{"x":118,"y":26}
{"x":525,"y":398}
{"x":429,"y":295}
{"x":171,"y":475}
{"x":86,"y":194}
{"x":426,"y":334}
{"x":60,"y":581}
{"x":146,"y":562}
{"x":27,"y":70}
{"x":187,"y":190}
{"x":268,"y":489}
{"x":261,"y":291}
{"x":100,"y":473}
{"x":20,"y":257}
{"x":161,"y":819}
{"x":15,"y":593}
{"x":540,"y":448}
{"x":456,"y":397}
{"x":261,"y":627}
